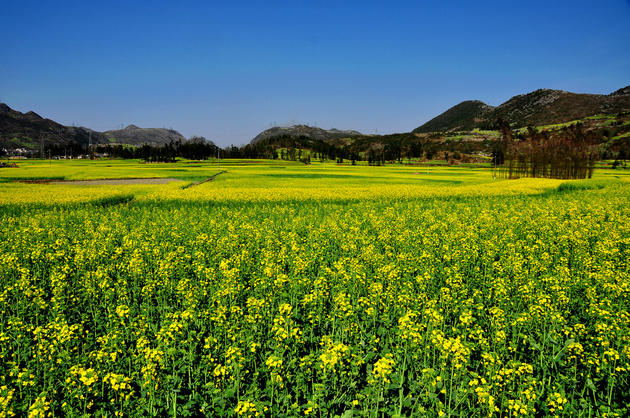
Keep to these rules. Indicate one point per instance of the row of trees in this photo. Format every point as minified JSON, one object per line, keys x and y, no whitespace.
{"x":569,"y":153}
{"x":566,"y":153}
{"x":374,"y":149}
{"x":196,"y":148}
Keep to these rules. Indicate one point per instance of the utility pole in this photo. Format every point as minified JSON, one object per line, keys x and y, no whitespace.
{"x":218,"y":160}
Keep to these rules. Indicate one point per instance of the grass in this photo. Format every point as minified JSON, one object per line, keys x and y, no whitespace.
{"x":600,"y":117}
{"x":486,"y":132}
{"x":623,"y":135}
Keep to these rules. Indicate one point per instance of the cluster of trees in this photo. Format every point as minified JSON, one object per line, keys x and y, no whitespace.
{"x":566,"y":153}
{"x":618,"y":150}
{"x":196,"y":148}
{"x":291,"y":149}
{"x":376,"y":149}
{"x":569,"y":153}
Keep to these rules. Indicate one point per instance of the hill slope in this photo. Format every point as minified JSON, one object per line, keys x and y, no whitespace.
{"x":134,"y":135}
{"x":545,"y":107}
{"x":461,"y":117}
{"x":29,"y":130}
{"x":311,"y":132}
{"x":540,"y":107}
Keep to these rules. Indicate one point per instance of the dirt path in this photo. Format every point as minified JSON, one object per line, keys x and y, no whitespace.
{"x":115,"y":182}
{"x":204,"y":181}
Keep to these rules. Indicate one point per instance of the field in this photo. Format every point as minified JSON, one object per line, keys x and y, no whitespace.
{"x":281,"y":289}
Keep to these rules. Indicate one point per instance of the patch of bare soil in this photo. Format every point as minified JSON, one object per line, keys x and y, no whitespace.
{"x":116,"y":182}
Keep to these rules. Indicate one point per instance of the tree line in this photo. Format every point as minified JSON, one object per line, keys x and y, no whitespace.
{"x":568,"y":153}
{"x":196,"y":148}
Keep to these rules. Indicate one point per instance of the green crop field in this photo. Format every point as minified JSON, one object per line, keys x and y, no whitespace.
{"x":280,"y":289}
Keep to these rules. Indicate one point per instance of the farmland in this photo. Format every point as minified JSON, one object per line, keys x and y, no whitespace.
{"x":280,"y":289}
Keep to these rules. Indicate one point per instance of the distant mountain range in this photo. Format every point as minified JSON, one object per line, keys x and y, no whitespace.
{"x":464,"y":132}
{"x":31,"y":131}
{"x":540,"y":107}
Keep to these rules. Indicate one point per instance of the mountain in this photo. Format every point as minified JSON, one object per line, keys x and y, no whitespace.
{"x":29,"y":130}
{"x":297,"y":131}
{"x":540,"y":107}
{"x":133,"y":135}
{"x":621,"y":92}
{"x":461,"y":117}
{"x":546,"y":107}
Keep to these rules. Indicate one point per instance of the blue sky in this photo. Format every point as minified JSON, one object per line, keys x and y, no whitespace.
{"x":227,"y":70}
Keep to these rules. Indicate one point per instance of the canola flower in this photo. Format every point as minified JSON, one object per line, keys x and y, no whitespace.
{"x":246,"y":408}
{"x":39,"y":408}
{"x":242,"y":298}
{"x":383,"y":368}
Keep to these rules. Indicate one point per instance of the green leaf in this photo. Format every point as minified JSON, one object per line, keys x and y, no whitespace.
{"x":348,"y":414}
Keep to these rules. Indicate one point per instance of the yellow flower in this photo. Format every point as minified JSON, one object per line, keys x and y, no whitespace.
{"x":246,"y":408}
{"x":332,"y":356}
{"x":39,"y":408}
{"x":383,"y":368}
{"x":274,"y":362}
{"x":122,"y":311}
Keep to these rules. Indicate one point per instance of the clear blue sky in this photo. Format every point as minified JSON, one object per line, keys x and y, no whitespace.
{"x":227,"y":70}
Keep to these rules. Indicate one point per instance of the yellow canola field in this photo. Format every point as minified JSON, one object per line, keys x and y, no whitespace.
{"x":329,"y":292}
{"x":217,"y":193}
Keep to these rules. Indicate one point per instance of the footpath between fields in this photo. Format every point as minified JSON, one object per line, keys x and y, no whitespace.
{"x":205,"y":180}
